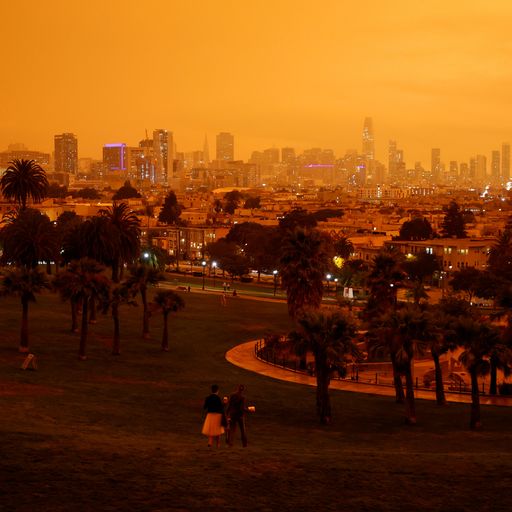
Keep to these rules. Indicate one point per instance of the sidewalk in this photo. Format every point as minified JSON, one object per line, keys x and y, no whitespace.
{"x":244,"y":357}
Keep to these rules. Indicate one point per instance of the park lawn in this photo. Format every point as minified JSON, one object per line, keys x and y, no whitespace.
{"x":123,"y":433}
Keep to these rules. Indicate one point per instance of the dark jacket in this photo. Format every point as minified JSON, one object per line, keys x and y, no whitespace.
{"x":236,"y":406}
{"x":213,"y":403}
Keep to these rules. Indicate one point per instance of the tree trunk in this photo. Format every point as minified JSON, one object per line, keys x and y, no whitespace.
{"x":440,"y":398}
{"x":115,"y":271}
{"x":116,"y":343}
{"x":83,"y":332}
{"x":165,"y":339}
{"x":410,"y":410}
{"x":74,"y":315}
{"x":24,"y":326}
{"x":145,"y":314}
{"x":92,"y":311}
{"x":397,"y":381}
{"x":323,"y":402}
{"x":475,"y":401}
{"x":493,"y":387}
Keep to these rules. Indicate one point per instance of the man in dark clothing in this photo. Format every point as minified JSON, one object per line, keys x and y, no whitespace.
{"x":236,"y":415}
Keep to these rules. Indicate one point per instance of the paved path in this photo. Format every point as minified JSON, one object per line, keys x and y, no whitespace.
{"x":244,"y":357}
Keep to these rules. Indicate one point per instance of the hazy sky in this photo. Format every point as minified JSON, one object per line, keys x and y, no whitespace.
{"x":298,"y":73}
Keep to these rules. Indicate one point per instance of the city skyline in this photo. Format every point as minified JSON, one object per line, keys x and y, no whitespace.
{"x":311,"y":87}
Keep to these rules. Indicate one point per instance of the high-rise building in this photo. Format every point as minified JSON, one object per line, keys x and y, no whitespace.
{"x":163,"y":149}
{"x":481,"y":168}
{"x":368,"y":141}
{"x":206,"y":151}
{"x":435,"y":165}
{"x":495,"y":166}
{"x":225,"y":147}
{"x":396,"y":163}
{"x":505,"y":162}
{"x":66,"y":153}
{"x":114,"y":157}
{"x":287,"y":155}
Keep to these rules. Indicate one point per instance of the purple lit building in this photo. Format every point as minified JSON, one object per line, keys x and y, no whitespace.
{"x":114,"y":157}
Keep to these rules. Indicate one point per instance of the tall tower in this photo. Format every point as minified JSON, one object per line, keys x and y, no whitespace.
{"x":206,"y":151}
{"x":505,"y":162}
{"x":66,"y":153}
{"x":368,"y":141}
{"x":225,"y":147}
{"x":495,"y":166}
{"x":435,"y":164}
{"x":163,"y":150}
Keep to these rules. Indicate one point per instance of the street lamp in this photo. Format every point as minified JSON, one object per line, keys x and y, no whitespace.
{"x":328,"y":277}
{"x":214,"y":266}
{"x":275,"y":281}
{"x":203,"y":263}
{"x":335,"y":286}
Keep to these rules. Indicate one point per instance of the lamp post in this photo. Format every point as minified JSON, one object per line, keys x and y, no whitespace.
{"x":203,"y":263}
{"x":328,"y":277}
{"x":275,"y":281}
{"x":335,"y":286}
{"x":214,"y":266}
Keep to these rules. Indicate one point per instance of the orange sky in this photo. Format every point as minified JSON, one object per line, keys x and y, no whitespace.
{"x":273,"y":72}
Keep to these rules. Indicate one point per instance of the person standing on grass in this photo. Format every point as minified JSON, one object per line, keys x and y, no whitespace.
{"x":215,"y":420}
{"x":236,"y":415}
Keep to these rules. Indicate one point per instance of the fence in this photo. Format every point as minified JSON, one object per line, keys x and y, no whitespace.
{"x":355,"y":373}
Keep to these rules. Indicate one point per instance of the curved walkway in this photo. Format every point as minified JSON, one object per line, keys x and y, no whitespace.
{"x":243,"y":356}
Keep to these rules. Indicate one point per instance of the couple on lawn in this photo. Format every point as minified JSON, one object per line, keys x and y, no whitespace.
{"x":219,"y":420}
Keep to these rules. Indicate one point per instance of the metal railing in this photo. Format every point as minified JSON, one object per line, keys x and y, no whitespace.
{"x":353,"y":375}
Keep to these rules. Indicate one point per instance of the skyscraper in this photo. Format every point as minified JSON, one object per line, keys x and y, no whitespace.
{"x":163,"y":150}
{"x":206,"y":151}
{"x":435,"y":164}
{"x":481,"y":168}
{"x":288,"y":155}
{"x":495,"y":166}
{"x":66,"y":153}
{"x":225,"y":147}
{"x":505,"y":162}
{"x":115,"y":157}
{"x":368,"y":142}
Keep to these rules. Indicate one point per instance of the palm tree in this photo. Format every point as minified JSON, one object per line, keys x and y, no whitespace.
{"x":121,"y":294}
{"x":167,"y":302}
{"x":81,"y":281}
{"x":24,"y":179}
{"x":383,"y":281}
{"x":343,"y":247}
{"x":477,"y":338}
{"x":406,"y":331}
{"x":24,"y":283}
{"x":124,"y":229}
{"x":306,"y":255}
{"x":329,"y":336}
{"x":141,"y":276}
{"x":29,"y":239}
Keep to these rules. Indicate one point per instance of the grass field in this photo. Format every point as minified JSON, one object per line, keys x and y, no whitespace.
{"x":122,"y":433}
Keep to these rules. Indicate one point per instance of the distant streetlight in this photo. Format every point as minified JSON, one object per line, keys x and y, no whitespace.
{"x":335,"y":286}
{"x":328,"y":277}
{"x":203,"y":263}
{"x":275,"y":281}
{"x":146,"y":255}
{"x":214,"y":266}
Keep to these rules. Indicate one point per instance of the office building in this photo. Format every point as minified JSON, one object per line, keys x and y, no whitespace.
{"x":435,"y":165}
{"x":368,"y":141}
{"x":505,"y":162}
{"x":163,"y":151}
{"x":115,"y":157}
{"x":66,"y":153}
{"x":495,"y":166}
{"x":225,"y":147}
